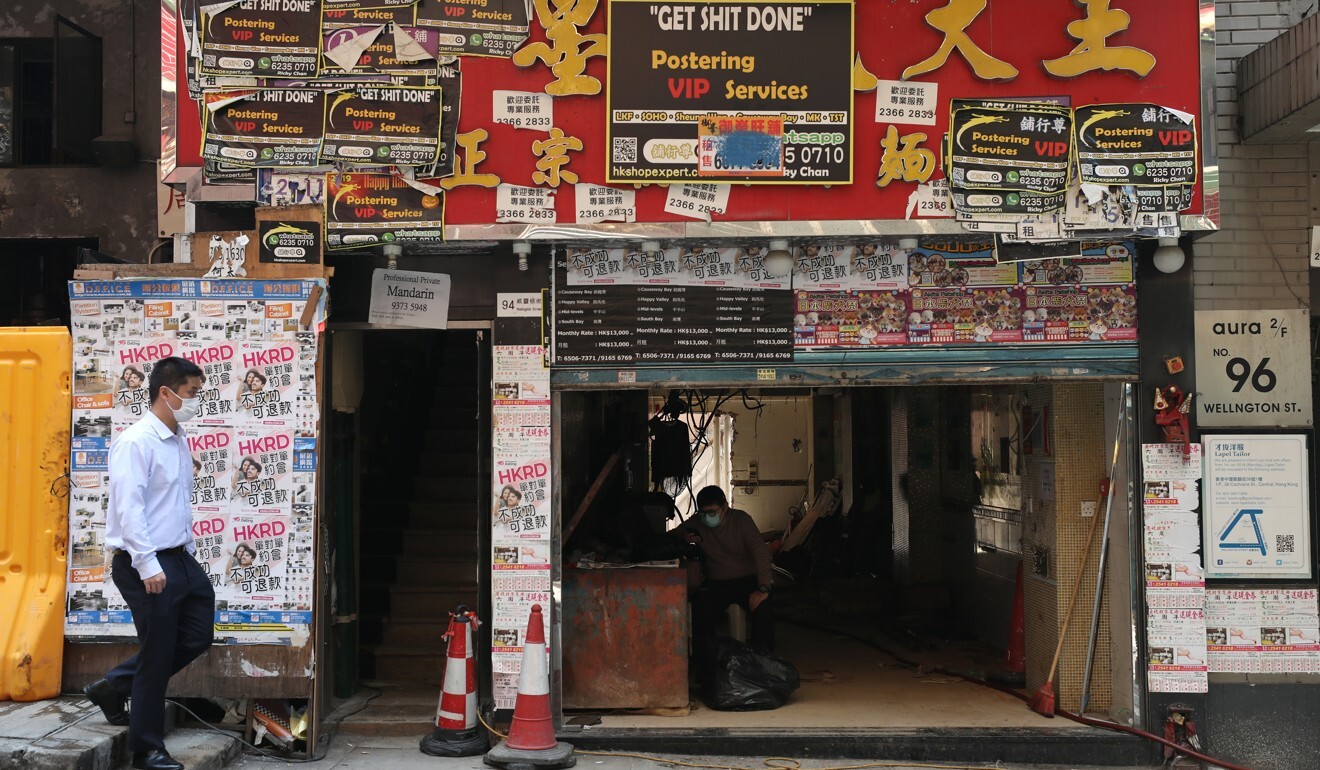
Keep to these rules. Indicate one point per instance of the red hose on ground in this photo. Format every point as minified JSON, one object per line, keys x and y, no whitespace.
{"x":1150,"y":736}
{"x":1025,"y":698}
{"x":1085,"y":720}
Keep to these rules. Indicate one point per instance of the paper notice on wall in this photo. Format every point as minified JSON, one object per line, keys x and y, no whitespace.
{"x":219,"y":393}
{"x":906,"y":103}
{"x":1177,"y":651}
{"x":1171,"y":495}
{"x":698,"y":201}
{"x":1170,"y":461}
{"x":529,"y":205}
{"x":213,"y":470}
{"x":1263,"y":631}
{"x":262,"y":462}
{"x":597,"y":203}
{"x":523,"y":109}
{"x":931,"y":199}
{"x":87,"y":554}
{"x":134,"y":361}
{"x":1174,"y":572}
{"x":267,"y":388}
{"x":233,"y":330}
{"x":1174,"y":576}
{"x":521,"y":516}
{"x":255,"y":562}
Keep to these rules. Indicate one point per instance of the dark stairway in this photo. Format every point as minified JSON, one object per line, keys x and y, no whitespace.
{"x":419,"y":548}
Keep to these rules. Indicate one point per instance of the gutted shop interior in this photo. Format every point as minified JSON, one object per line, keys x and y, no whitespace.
{"x":898,"y":518}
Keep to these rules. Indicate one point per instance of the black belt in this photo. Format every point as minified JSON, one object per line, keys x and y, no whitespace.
{"x":178,"y":549}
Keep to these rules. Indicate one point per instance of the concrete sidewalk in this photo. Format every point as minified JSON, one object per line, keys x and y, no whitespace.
{"x":69,"y":732}
{"x":363,"y":753}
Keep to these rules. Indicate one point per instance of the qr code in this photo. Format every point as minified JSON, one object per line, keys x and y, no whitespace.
{"x":1285,"y":543}
{"x":625,"y":149}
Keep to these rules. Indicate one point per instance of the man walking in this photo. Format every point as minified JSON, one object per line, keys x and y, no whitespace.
{"x":737,"y":567}
{"x":149,"y":531}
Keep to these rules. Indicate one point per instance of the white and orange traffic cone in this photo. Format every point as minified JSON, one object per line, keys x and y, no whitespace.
{"x":531,"y":740}
{"x":456,"y":733}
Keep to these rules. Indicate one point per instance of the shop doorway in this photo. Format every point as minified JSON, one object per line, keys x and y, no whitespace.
{"x":901,"y":517}
{"x":422,"y":448}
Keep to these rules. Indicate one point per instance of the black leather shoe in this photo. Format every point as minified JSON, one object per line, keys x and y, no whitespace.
{"x":113,"y":705}
{"x":156,"y":759}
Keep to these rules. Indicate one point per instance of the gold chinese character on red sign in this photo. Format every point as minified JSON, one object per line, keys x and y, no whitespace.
{"x":1092,"y":53}
{"x":565,"y":55}
{"x":910,"y":162}
{"x":465,"y":170}
{"x":553,"y":154}
{"x":953,"y":20}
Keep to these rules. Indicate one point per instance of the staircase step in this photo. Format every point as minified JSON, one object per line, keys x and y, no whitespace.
{"x":416,"y":602}
{"x":447,"y":488}
{"x":455,"y":414}
{"x":442,"y":487}
{"x":415,"y":663}
{"x":400,"y":710}
{"x":418,"y":631}
{"x":431,"y":514}
{"x":452,"y":437}
{"x":422,"y":541}
{"x":419,"y":541}
{"x":441,"y":571}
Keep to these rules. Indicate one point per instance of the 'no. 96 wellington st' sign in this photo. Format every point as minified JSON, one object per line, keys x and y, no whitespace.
{"x":1253,"y":368}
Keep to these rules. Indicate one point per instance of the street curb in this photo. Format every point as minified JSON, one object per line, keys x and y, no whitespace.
{"x":1007,"y":745}
{"x":201,"y":748}
{"x":86,"y":742}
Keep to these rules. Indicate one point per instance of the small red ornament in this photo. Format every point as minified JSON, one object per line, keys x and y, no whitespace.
{"x":1173,"y":410}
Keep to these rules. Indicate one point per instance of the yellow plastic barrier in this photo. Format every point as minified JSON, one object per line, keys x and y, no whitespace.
{"x":35,"y":364}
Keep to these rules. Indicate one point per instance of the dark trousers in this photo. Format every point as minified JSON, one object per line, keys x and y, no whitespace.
{"x":713,"y":599}
{"x":173,"y":627}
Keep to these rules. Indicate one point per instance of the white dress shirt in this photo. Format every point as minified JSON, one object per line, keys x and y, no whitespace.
{"x":151,"y":476}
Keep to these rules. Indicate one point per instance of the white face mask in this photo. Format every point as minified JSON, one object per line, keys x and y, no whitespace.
{"x":189,"y":409}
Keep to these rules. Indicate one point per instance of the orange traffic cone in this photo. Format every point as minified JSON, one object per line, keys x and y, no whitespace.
{"x":531,"y":738}
{"x":456,"y":733}
{"x":1015,"y":661}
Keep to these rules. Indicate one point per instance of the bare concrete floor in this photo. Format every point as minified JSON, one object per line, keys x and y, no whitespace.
{"x":847,"y":684}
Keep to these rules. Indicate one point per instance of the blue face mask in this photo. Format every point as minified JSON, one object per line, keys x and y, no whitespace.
{"x":711,"y":520}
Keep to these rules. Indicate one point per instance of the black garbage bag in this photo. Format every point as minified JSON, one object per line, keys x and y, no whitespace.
{"x":736,"y":677}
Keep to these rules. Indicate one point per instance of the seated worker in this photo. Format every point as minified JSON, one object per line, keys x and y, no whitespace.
{"x":736,"y":567}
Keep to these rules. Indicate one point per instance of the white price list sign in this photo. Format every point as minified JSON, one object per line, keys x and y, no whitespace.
{"x":1247,"y":369}
{"x":408,"y":298}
